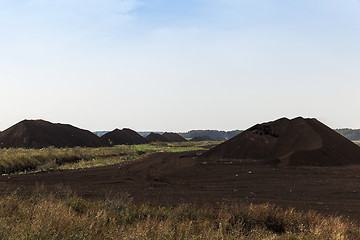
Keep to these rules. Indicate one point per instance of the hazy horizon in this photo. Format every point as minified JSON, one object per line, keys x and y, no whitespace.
{"x":179,"y":65}
{"x":162,"y":131}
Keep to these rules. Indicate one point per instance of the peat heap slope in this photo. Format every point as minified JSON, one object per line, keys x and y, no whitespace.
{"x":123,"y":137}
{"x":296,"y":142}
{"x":201,"y":138}
{"x":155,"y":137}
{"x":40,"y":134}
{"x":174,"y":137}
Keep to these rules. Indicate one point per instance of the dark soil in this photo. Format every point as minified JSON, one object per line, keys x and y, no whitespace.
{"x":172,"y":178}
{"x":123,"y":137}
{"x":174,"y":137}
{"x":284,"y":142}
{"x":40,"y":134}
{"x":155,"y":137}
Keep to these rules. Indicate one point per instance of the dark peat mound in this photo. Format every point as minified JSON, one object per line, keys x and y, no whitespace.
{"x":295,"y":142}
{"x":201,"y":138}
{"x":174,"y":137}
{"x":156,"y":137}
{"x":123,"y":137}
{"x":41,"y":134}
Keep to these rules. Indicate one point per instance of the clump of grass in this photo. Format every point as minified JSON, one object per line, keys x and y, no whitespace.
{"x":67,"y":216}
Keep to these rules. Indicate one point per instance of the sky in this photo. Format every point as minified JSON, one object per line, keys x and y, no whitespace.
{"x":167,"y":65}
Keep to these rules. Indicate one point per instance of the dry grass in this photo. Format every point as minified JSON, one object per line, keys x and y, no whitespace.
{"x":66,"y":216}
{"x":17,"y":160}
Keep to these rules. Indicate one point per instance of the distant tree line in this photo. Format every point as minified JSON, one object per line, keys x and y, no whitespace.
{"x":351,"y":134}
{"x":100,"y":133}
{"x":144,"y":134}
{"x":211,"y":133}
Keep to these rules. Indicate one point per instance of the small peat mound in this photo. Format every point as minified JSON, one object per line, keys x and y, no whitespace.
{"x":296,"y":142}
{"x":174,"y":137}
{"x":41,"y":134}
{"x":156,"y":137}
{"x":123,"y":137}
{"x":159,"y":168}
{"x":201,"y":138}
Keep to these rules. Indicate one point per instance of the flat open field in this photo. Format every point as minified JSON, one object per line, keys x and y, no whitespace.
{"x":172,"y":178}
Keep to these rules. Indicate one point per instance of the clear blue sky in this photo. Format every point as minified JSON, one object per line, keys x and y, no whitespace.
{"x":179,"y":65}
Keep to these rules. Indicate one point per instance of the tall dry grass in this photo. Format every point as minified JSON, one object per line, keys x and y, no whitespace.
{"x":16,"y":160}
{"x":66,"y":216}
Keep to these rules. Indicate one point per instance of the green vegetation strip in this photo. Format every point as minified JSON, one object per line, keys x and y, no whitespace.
{"x":17,"y":160}
{"x":67,"y":216}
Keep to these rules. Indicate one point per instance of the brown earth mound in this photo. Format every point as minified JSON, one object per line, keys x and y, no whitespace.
{"x":296,"y":142}
{"x":155,"y":137}
{"x":40,"y":134}
{"x":201,"y":138}
{"x":174,"y":137}
{"x":123,"y":137}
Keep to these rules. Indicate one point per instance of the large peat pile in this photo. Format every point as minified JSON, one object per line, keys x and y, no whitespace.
{"x":296,"y":142}
{"x":40,"y":134}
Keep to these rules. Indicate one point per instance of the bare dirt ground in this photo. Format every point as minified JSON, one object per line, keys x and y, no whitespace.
{"x":172,"y":178}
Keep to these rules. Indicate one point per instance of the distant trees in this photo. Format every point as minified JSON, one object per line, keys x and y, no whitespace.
{"x":211,"y":133}
{"x":100,"y":133}
{"x":351,"y":134}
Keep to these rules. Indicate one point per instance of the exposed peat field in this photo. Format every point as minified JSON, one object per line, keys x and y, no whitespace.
{"x":163,"y":193}
{"x":185,"y":191}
